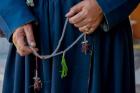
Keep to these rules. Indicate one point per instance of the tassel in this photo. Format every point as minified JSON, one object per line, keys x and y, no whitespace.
{"x":64,"y":70}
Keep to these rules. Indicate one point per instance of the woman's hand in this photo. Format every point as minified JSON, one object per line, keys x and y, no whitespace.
{"x":86,"y":15}
{"x":23,"y":38}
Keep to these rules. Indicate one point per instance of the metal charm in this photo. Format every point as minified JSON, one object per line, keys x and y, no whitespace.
{"x":30,"y":3}
{"x":37,"y":83}
{"x":85,"y":45}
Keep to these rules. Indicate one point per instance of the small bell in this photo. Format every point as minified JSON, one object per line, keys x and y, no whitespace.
{"x":85,"y":45}
{"x":30,"y":3}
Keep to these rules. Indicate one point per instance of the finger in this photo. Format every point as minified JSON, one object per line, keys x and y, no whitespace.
{"x":77,"y":18}
{"x":82,"y":23}
{"x":84,"y":28}
{"x":17,"y":34}
{"x":75,"y":9}
{"x":95,"y":25}
{"x":21,"y":46}
{"x":29,"y":35}
{"x":25,"y":53}
{"x":91,"y":30}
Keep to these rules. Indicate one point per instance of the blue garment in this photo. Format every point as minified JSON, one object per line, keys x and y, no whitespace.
{"x":110,"y":69}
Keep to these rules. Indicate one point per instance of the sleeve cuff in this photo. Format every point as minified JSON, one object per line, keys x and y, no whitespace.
{"x":114,"y":12}
{"x":10,"y":21}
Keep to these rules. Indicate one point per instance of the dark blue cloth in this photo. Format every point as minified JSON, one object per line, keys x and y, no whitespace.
{"x":110,"y":69}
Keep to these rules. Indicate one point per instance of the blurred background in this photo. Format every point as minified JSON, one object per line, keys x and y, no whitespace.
{"x":135,"y":22}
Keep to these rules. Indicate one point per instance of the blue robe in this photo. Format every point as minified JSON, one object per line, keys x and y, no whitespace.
{"x":110,"y":68}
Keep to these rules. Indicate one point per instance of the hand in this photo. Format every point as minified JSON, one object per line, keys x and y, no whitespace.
{"x":23,"y":38}
{"x":86,"y":15}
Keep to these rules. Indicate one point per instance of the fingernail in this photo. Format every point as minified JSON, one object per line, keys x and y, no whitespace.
{"x":67,"y":15}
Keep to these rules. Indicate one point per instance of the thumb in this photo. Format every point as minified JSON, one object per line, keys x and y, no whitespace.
{"x":29,"y":35}
{"x":75,"y":9}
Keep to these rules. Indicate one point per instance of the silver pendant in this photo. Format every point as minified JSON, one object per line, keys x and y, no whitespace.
{"x":30,"y":3}
{"x":85,"y":45}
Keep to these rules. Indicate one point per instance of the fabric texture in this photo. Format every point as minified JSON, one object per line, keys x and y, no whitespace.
{"x":110,"y":69}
